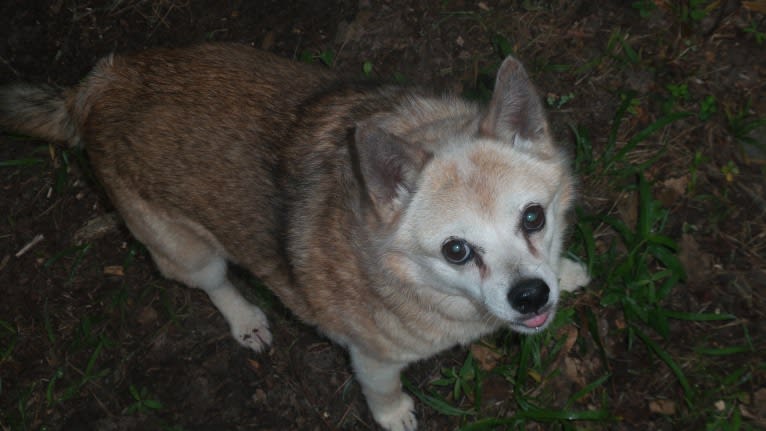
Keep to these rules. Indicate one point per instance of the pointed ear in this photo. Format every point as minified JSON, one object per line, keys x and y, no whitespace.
{"x":515,"y":112}
{"x":389,"y":165}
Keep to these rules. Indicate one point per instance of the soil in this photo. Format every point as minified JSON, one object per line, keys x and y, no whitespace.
{"x":93,"y":338}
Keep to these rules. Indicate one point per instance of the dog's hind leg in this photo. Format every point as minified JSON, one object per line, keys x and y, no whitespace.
{"x":382,"y":388}
{"x":187,"y":252}
{"x":248,"y":324}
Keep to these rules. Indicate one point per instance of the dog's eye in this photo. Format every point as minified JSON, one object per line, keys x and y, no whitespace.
{"x":533,"y":218}
{"x":457,"y":251}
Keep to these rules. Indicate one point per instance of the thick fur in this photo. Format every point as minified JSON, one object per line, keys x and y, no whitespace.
{"x":340,"y":197}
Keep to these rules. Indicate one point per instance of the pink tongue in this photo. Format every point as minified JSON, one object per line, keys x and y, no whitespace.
{"x":536,"y":321}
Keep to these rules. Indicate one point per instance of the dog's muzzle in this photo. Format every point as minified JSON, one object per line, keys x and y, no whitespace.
{"x":530,"y":297}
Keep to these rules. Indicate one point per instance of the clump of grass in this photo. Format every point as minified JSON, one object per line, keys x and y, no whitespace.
{"x":532,"y":361}
{"x":76,"y":252}
{"x":8,"y":339}
{"x":741,"y":123}
{"x":753,"y":29}
{"x":142,"y":401}
{"x":324,"y":57}
{"x":640,"y":267}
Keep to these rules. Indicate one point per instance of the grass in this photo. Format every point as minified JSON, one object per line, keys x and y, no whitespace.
{"x":741,"y":123}
{"x":142,"y":401}
{"x":80,"y":361}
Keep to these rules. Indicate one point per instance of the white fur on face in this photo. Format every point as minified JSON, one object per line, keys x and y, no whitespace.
{"x":478,"y":193}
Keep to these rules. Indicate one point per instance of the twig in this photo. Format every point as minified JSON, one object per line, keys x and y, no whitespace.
{"x":30,"y":244}
{"x":7,"y":63}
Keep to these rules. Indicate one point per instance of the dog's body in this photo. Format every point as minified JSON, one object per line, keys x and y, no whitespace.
{"x":398,"y":223}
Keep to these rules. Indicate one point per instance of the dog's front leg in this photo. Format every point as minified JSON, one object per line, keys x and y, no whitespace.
{"x":572,"y":275}
{"x":382,"y":387}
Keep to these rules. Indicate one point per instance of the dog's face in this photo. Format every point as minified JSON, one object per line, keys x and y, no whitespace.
{"x":479,"y":214}
{"x":486,"y":224}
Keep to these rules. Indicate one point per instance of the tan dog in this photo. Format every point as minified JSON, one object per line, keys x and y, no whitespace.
{"x":398,"y":223}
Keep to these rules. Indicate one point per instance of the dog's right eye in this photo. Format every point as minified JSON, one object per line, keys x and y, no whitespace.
{"x":457,"y":251}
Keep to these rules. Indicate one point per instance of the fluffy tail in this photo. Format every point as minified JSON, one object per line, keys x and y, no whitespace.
{"x":37,"y":110}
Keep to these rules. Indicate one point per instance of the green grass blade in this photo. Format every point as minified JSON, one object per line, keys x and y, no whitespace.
{"x":594,"y":333}
{"x":630,"y":53}
{"x":546,"y":415}
{"x":77,"y":261}
{"x":662,"y":240}
{"x":621,"y":228}
{"x":8,"y":337}
{"x":588,"y":388}
{"x":69,"y":251}
{"x":723,"y":351}
{"x":539,"y":415}
{"x":20,"y":162}
{"x":436,"y":403}
{"x":491,"y":424}
{"x":648,"y":131}
{"x":523,"y":368}
{"x":588,"y":240}
{"x":669,"y":260}
{"x":645,"y":219}
{"x":611,"y":142}
{"x":698,"y":317}
{"x":583,"y":148}
{"x":47,"y":323}
{"x":668,"y":360}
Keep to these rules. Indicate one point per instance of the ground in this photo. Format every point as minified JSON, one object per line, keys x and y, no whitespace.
{"x":661,"y":105}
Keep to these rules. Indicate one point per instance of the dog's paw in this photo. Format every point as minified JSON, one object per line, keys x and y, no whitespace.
{"x":250,"y":328}
{"x":400,"y":417}
{"x":572,"y":275}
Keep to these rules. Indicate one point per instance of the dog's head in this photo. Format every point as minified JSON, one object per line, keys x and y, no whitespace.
{"x":479,"y":213}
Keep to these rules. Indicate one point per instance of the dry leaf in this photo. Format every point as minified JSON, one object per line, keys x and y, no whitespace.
{"x":571,"y":340}
{"x":672,"y":190}
{"x":696,"y":262}
{"x":96,"y":228}
{"x":663,"y":407}
{"x":720,"y":405}
{"x":759,"y":403}
{"x":755,"y":6}
{"x":486,"y":357}
{"x":117,"y":270}
{"x":627,"y":207}
{"x":259,"y":396}
{"x":255,"y":365}
{"x":146,"y":316}
{"x":573,"y":369}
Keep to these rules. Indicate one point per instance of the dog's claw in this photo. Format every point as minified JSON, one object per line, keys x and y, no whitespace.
{"x":251,"y":329}
{"x":400,"y":418}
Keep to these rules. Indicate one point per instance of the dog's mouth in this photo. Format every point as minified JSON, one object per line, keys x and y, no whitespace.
{"x":536,"y":321}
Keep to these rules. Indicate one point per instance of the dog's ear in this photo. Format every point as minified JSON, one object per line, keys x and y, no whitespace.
{"x":389,"y":167}
{"x":515,"y":112}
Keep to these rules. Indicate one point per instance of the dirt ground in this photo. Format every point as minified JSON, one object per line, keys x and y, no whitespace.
{"x":93,"y":338}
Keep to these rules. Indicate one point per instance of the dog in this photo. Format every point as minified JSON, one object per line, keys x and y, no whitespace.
{"x":398,"y":222}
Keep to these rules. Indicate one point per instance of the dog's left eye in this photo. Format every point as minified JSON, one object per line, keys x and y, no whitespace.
{"x":533,"y":218}
{"x":457,"y":251}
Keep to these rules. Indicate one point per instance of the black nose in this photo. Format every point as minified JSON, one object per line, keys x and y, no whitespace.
{"x":529,"y":296}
